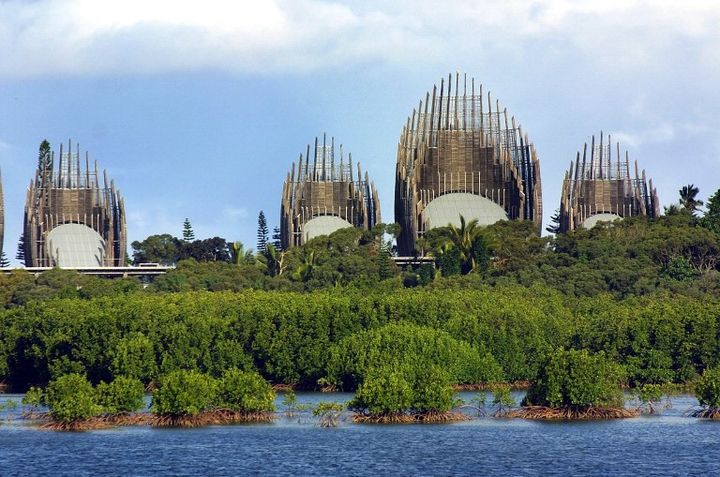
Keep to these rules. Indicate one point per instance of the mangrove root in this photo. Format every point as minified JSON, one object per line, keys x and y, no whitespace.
{"x":572,"y":413}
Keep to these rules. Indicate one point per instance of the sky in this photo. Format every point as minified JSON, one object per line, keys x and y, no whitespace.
{"x":198,"y":109}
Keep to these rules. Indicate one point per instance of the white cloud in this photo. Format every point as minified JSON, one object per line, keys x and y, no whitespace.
{"x":234,"y":214}
{"x":660,"y":134}
{"x":54,"y":37}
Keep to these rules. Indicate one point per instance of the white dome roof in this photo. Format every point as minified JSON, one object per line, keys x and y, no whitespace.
{"x":448,"y":208}
{"x":323,"y":225}
{"x":75,"y":245}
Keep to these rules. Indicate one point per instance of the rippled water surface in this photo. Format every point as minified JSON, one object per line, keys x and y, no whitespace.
{"x":670,"y":444}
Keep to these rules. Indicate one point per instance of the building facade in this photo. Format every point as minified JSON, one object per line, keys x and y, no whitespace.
{"x":325,"y":195}
{"x":460,"y":154}
{"x":72,"y":220}
{"x":600,"y":187}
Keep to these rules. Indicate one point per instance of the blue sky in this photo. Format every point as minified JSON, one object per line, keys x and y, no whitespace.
{"x":197,"y":109}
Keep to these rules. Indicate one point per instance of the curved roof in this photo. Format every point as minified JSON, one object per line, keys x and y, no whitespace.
{"x":448,"y":208}
{"x":75,"y":245}
{"x":592,"y":221}
{"x":323,"y":225}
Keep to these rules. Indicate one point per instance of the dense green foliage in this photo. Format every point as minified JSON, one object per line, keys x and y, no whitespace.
{"x":184,"y":393}
{"x":707,"y":389}
{"x":433,"y":391}
{"x":300,"y":338}
{"x":394,"y":390}
{"x":644,"y":292}
{"x":384,"y":391}
{"x":577,"y":379}
{"x":189,"y":393}
{"x":71,"y":397}
{"x":413,"y":349}
{"x":245,"y":391}
{"x":122,"y":394}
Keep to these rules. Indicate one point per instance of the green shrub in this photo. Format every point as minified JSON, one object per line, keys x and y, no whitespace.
{"x":707,"y":390}
{"x":71,"y":397}
{"x":134,"y":357}
{"x":329,"y":413}
{"x":412,"y":348}
{"x":650,"y":393}
{"x":384,"y":391}
{"x":433,"y":391}
{"x":34,"y":397}
{"x":123,"y":394}
{"x":184,"y":393}
{"x":578,"y":379}
{"x":245,"y":391}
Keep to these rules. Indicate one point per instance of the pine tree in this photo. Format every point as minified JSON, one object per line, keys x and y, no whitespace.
{"x":188,"y":234}
{"x":554,"y":225}
{"x":277,"y":242}
{"x":711,"y":219}
{"x":4,"y":262}
{"x":45,"y":162}
{"x":385,"y":268}
{"x":21,"y":249}
{"x":262,"y":233}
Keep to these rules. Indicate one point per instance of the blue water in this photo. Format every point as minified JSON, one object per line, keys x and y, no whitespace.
{"x":670,"y":444}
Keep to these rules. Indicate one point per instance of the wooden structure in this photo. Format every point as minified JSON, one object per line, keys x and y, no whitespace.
{"x":602,"y":187}
{"x":459,"y":142}
{"x":324,"y":195}
{"x":71,"y":195}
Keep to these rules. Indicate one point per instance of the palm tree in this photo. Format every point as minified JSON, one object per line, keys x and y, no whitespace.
{"x":304,"y":271}
{"x":470,"y":241}
{"x":688,"y":200}
{"x":273,"y":260}
{"x":240,"y":255}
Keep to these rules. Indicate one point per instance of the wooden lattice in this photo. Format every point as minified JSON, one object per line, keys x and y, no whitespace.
{"x":603,"y":184}
{"x":459,"y":141}
{"x":326,"y":187}
{"x":71,"y":194}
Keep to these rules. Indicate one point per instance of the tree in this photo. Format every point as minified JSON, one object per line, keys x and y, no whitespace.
{"x":241,"y":256}
{"x":214,"y":249}
{"x":245,"y":391}
{"x":688,"y":198}
{"x":262,"y":233}
{"x":711,"y":219}
{"x":184,"y":393}
{"x":45,"y":162}
{"x":576,"y":379}
{"x":20,"y":255}
{"x":274,"y":260}
{"x":71,"y":397}
{"x":707,"y":389}
{"x":162,"y":249}
{"x":469,"y":240}
{"x":276,"y":237}
{"x":385,"y":391}
{"x":4,"y":262}
{"x":303,"y":272}
{"x":188,"y":234}
{"x":123,"y":394}
{"x":554,"y":225}
{"x":385,"y":265}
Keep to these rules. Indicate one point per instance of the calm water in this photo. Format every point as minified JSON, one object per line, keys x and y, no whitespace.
{"x":660,"y":445}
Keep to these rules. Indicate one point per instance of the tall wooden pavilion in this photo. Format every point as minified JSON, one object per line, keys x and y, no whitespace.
{"x":601,"y":185}
{"x":324,"y":195}
{"x":72,"y":218}
{"x":460,"y":154}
